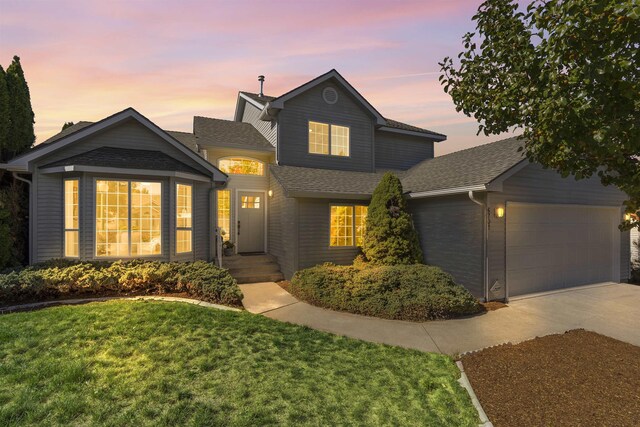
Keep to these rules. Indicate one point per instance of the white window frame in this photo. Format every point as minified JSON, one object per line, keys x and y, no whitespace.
{"x":95,"y":218}
{"x":330,"y":142}
{"x":242,"y":157}
{"x":64,"y":209}
{"x":353,"y":223}
{"x":190,"y":229}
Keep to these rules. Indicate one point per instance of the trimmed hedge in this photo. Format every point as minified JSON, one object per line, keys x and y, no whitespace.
{"x":63,"y":278}
{"x":406,"y":292}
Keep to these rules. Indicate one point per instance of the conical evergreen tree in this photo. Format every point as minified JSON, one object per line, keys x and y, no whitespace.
{"x":4,"y":115}
{"x":390,"y":237}
{"x":21,"y":134}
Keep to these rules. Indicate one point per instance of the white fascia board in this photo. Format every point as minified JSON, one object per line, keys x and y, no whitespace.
{"x":446,"y":191}
{"x":251,"y":101}
{"x":432,"y":136}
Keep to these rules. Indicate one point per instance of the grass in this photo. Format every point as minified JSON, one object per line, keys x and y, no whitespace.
{"x":154,"y":363}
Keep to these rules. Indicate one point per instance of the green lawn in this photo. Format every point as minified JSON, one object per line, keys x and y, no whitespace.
{"x":155,"y":363}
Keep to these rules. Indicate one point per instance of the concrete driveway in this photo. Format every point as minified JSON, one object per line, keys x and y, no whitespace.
{"x":610,"y":309}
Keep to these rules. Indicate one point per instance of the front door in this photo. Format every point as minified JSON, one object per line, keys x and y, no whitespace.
{"x":250,"y":221}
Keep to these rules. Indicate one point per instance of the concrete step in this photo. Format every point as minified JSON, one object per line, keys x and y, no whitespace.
{"x":240,"y":261}
{"x":257,"y":277}
{"x":259,"y":268}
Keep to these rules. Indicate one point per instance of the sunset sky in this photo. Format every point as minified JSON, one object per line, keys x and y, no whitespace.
{"x":171,"y":60}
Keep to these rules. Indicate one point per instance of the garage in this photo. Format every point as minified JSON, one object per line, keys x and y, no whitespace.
{"x":552,"y":246}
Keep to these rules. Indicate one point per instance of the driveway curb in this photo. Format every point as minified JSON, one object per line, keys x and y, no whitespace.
{"x":464,"y":382}
{"x":45,"y":304}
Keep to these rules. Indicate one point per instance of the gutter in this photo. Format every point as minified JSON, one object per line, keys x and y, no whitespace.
{"x":447,"y":191}
{"x":485,"y":233}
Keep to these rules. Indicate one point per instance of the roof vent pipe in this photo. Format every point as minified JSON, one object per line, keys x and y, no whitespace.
{"x":261,"y":80}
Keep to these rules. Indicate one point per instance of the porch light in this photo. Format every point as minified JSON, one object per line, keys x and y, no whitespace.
{"x":627,"y":217}
{"x":499,"y":212}
{"x":270,"y":193}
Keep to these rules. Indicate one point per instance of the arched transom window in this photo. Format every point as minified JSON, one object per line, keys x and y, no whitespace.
{"x":241,"y":166}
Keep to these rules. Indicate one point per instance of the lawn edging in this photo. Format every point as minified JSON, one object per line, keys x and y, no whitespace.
{"x":46,"y":304}
{"x":464,"y":382}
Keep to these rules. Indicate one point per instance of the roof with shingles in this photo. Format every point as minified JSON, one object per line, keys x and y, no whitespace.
{"x":226,"y":133}
{"x":68,"y":131}
{"x":126,"y":158}
{"x":471,"y":167}
{"x":186,"y":138}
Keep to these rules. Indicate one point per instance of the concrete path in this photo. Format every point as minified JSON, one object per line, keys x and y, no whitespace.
{"x":609,"y":309}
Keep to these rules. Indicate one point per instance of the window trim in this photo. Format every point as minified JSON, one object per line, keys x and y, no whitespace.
{"x":353,"y":224}
{"x":95,"y":220}
{"x":190,"y":229}
{"x":64,"y":218}
{"x":242,"y":157}
{"x":337,"y":156}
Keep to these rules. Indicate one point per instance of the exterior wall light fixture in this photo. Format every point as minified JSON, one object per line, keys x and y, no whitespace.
{"x":499,"y":212}
{"x":270,"y":193}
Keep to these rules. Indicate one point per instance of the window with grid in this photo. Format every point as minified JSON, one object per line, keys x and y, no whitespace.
{"x":318,"y":138}
{"x":71,"y":218}
{"x":224,"y":213}
{"x":128,"y":218}
{"x":328,"y":139}
{"x":250,"y":202}
{"x":241,"y":166}
{"x":183,"y":218}
{"x":347,"y":225}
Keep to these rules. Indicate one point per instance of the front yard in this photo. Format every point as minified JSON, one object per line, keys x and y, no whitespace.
{"x":154,"y":363}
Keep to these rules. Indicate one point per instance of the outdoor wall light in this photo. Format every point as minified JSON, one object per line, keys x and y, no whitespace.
{"x":270,"y":193}
{"x":627,"y":217}
{"x":499,"y":212}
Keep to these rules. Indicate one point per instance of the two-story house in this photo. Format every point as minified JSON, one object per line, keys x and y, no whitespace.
{"x":291,"y":176}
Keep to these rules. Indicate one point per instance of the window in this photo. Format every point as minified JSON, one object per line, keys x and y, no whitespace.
{"x":183,"y":218}
{"x":224,"y":213}
{"x":325,"y":139}
{"x":71,"y":218}
{"x":347,"y":225}
{"x":128,"y":218}
{"x":250,"y":202}
{"x":318,"y":138}
{"x":241,"y":166}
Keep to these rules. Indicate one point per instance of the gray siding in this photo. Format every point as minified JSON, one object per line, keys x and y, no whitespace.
{"x":397,"y":151}
{"x":533,"y":184}
{"x":293,"y":140}
{"x":48,"y":227}
{"x":313,"y":233}
{"x":451,"y":236}
{"x":282,"y":229}
{"x":269,"y":129}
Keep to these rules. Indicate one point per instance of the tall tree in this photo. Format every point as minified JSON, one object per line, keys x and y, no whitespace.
{"x":564,"y":72}
{"x":4,"y":114}
{"x":21,"y":134}
{"x":390,"y":237}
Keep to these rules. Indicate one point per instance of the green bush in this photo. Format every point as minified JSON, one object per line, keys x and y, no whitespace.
{"x":390,"y":238}
{"x":64,"y":278}
{"x":407,"y":292}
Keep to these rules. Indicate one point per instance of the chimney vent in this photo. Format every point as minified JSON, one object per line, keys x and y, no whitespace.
{"x":261,"y":80}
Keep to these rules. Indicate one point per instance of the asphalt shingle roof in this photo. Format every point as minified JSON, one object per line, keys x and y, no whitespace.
{"x":474,"y":166}
{"x":127,"y":159}
{"x":68,"y":131}
{"x":295,"y":179}
{"x":227,"y":133}
{"x":186,"y":138}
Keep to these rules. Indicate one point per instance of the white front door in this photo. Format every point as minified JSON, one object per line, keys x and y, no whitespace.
{"x":250,"y":227}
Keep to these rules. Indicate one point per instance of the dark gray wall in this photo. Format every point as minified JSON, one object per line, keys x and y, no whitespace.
{"x":450,"y":230}
{"x":314,"y":216}
{"x":282,"y":229}
{"x":533,"y":184}
{"x":398,"y":151}
{"x":269,"y":129}
{"x":293,"y":122}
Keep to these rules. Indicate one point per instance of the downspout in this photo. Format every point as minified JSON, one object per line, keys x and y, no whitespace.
{"x":19,"y":178}
{"x":485,"y":233}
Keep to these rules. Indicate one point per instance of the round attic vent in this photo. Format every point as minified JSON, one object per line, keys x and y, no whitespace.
{"x":330,"y":95}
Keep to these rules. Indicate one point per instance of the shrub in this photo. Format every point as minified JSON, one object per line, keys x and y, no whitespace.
{"x":407,"y":292}
{"x":390,"y":237}
{"x":64,"y":278}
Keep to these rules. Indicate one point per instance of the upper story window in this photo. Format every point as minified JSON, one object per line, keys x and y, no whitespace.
{"x":241,"y":166}
{"x":327,"y":138}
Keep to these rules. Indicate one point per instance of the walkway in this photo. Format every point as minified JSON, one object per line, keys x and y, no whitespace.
{"x":609,"y":309}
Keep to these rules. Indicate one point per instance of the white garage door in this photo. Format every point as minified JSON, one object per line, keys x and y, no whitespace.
{"x":559,"y":246}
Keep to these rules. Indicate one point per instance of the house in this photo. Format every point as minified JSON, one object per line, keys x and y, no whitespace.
{"x":291,"y":176}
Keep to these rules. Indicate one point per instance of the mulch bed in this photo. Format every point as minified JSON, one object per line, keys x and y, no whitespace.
{"x":578,"y":378}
